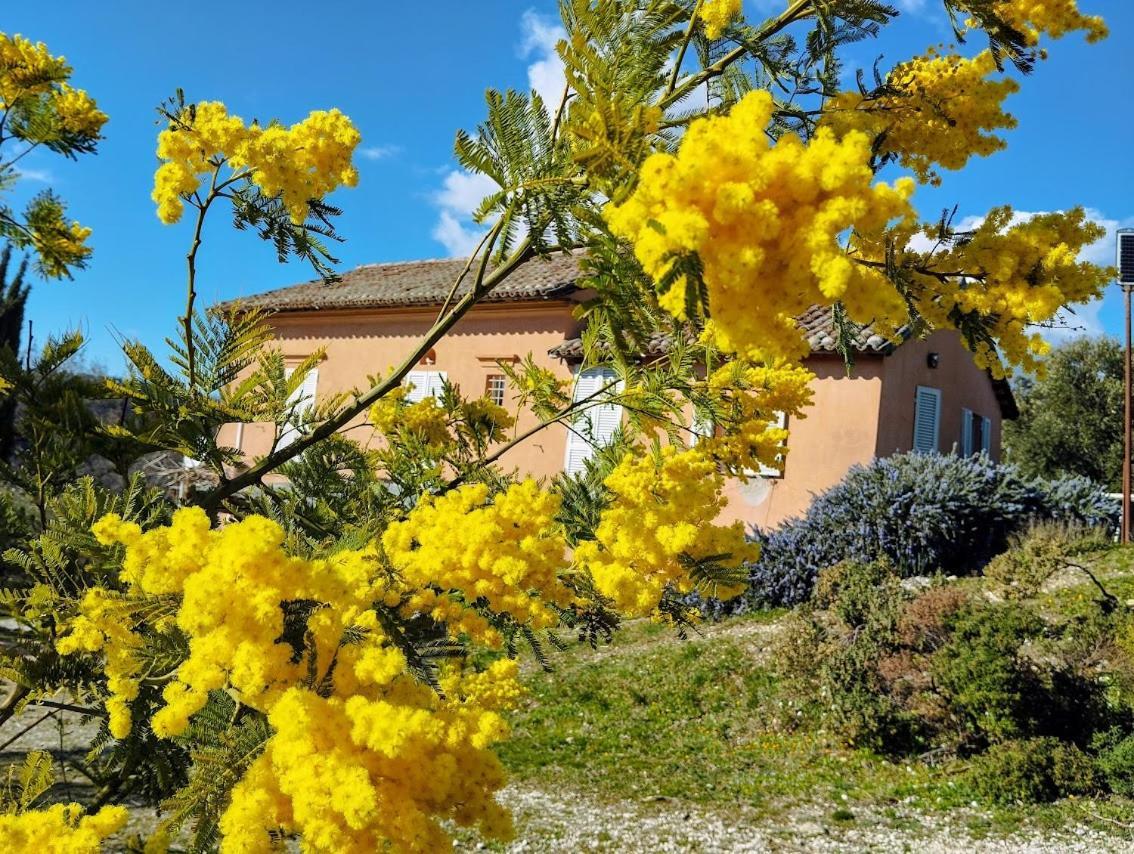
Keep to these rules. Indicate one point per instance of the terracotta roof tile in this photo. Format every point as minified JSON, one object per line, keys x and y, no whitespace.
{"x":411,"y":283}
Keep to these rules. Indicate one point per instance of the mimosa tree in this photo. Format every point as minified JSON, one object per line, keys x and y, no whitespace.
{"x":334,"y":661}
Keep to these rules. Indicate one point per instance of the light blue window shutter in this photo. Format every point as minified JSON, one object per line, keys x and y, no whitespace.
{"x":966,"y":432}
{"x":927,"y":419}
{"x":986,"y":435}
{"x":596,"y":425}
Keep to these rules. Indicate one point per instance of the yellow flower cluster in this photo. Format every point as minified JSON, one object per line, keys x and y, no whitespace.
{"x":753,"y":396}
{"x":937,"y":110}
{"x":305,"y":161}
{"x":60,"y":829}
{"x":29,"y":71}
{"x":424,"y":422}
{"x":363,"y":756}
{"x":1019,"y":274}
{"x":1056,"y":18}
{"x":505,"y":553}
{"x":60,"y":245}
{"x":486,"y":418}
{"x":765,"y":220}
{"x":718,"y":14}
{"x":77,"y":112}
{"x":234,"y":637}
{"x":100,"y":627}
{"x":659,"y":523}
{"x":367,"y":774}
{"x":427,"y":424}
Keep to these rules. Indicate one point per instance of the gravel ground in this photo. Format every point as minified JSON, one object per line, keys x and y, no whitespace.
{"x":568,"y":822}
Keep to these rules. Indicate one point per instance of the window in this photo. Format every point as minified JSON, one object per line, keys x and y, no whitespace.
{"x":495,"y":387}
{"x":303,"y":398}
{"x":425,"y":384}
{"x":976,"y":433}
{"x":596,"y":425}
{"x":927,"y":419}
{"x":701,"y":427}
{"x":774,"y":471}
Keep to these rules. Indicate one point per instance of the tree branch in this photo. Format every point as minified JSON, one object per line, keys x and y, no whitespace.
{"x":362,"y":402}
{"x":789,"y":16}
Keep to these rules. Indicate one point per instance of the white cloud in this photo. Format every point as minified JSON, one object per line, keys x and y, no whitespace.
{"x":460,"y":194}
{"x":379,"y":152}
{"x":458,"y":239}
{"x":539,"y":36}
{"x":41,"y":176}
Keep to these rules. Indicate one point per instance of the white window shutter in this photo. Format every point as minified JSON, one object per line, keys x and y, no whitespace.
{"x":594,"y":426}
{"x":700,"y":427}
{"x":773,"y":471}
{"x":303,"y":398}
{"x":986,"y":435}
{"x":425,"y":384}
{"x":966,"y":432}
{"x":927,"y":419}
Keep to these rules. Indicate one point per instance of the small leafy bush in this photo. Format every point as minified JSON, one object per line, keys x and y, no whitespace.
{"x":1022,"y":689}
{"x":1033,"y":770}
{"x":1116,"y":760}
{"x":924,"y":513}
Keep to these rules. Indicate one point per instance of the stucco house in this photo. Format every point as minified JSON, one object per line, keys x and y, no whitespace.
{"x":922,"y":394}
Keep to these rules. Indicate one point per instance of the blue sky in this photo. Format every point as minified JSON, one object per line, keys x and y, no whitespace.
{"x":410,"y":75}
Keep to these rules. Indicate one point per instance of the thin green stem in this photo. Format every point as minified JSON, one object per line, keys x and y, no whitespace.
{"x":693,"y":16}
{"x":796,"y":11}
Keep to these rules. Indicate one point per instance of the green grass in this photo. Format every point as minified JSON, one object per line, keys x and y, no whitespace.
{"x":706,"y":721}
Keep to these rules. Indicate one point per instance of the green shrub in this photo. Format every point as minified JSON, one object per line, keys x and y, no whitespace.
{"x":924,"y":512}
{"x":1116,"y":760}
{"x":979,"y":671}
{"x":948,"y":669}
{"x":1036,"y":554}
{"x":1035,"y":770}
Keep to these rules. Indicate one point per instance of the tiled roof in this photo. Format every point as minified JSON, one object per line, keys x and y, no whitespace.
{"x":818,"y":324}
{"x":410,"y":283}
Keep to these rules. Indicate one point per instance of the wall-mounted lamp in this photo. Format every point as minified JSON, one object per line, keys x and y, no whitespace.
{"x":933,"y":360}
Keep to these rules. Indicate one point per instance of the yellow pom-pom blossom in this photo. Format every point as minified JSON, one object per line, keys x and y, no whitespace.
{"x":754,"y":396}
{"x":423,"y":422}
{"x":1020,"y":273}
{"x":765,"y":220}
{"x":661,"y":519}
{"x":101,"y":628}
{"x":362,"y":755}
{"x":1055,"y":18}
{"x":305,"y":161}
{"x":506,"y":553}
{"x":718,"y":14}
{"x":29,"y":71}
{"x":935,"y":110}
{"x":60,"y":829}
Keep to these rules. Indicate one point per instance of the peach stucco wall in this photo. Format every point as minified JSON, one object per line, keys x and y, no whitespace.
{"x":840,"y":430}
{"x":963,"y":386}
{"x":853,"y":419}
{"x":359,"y":344}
